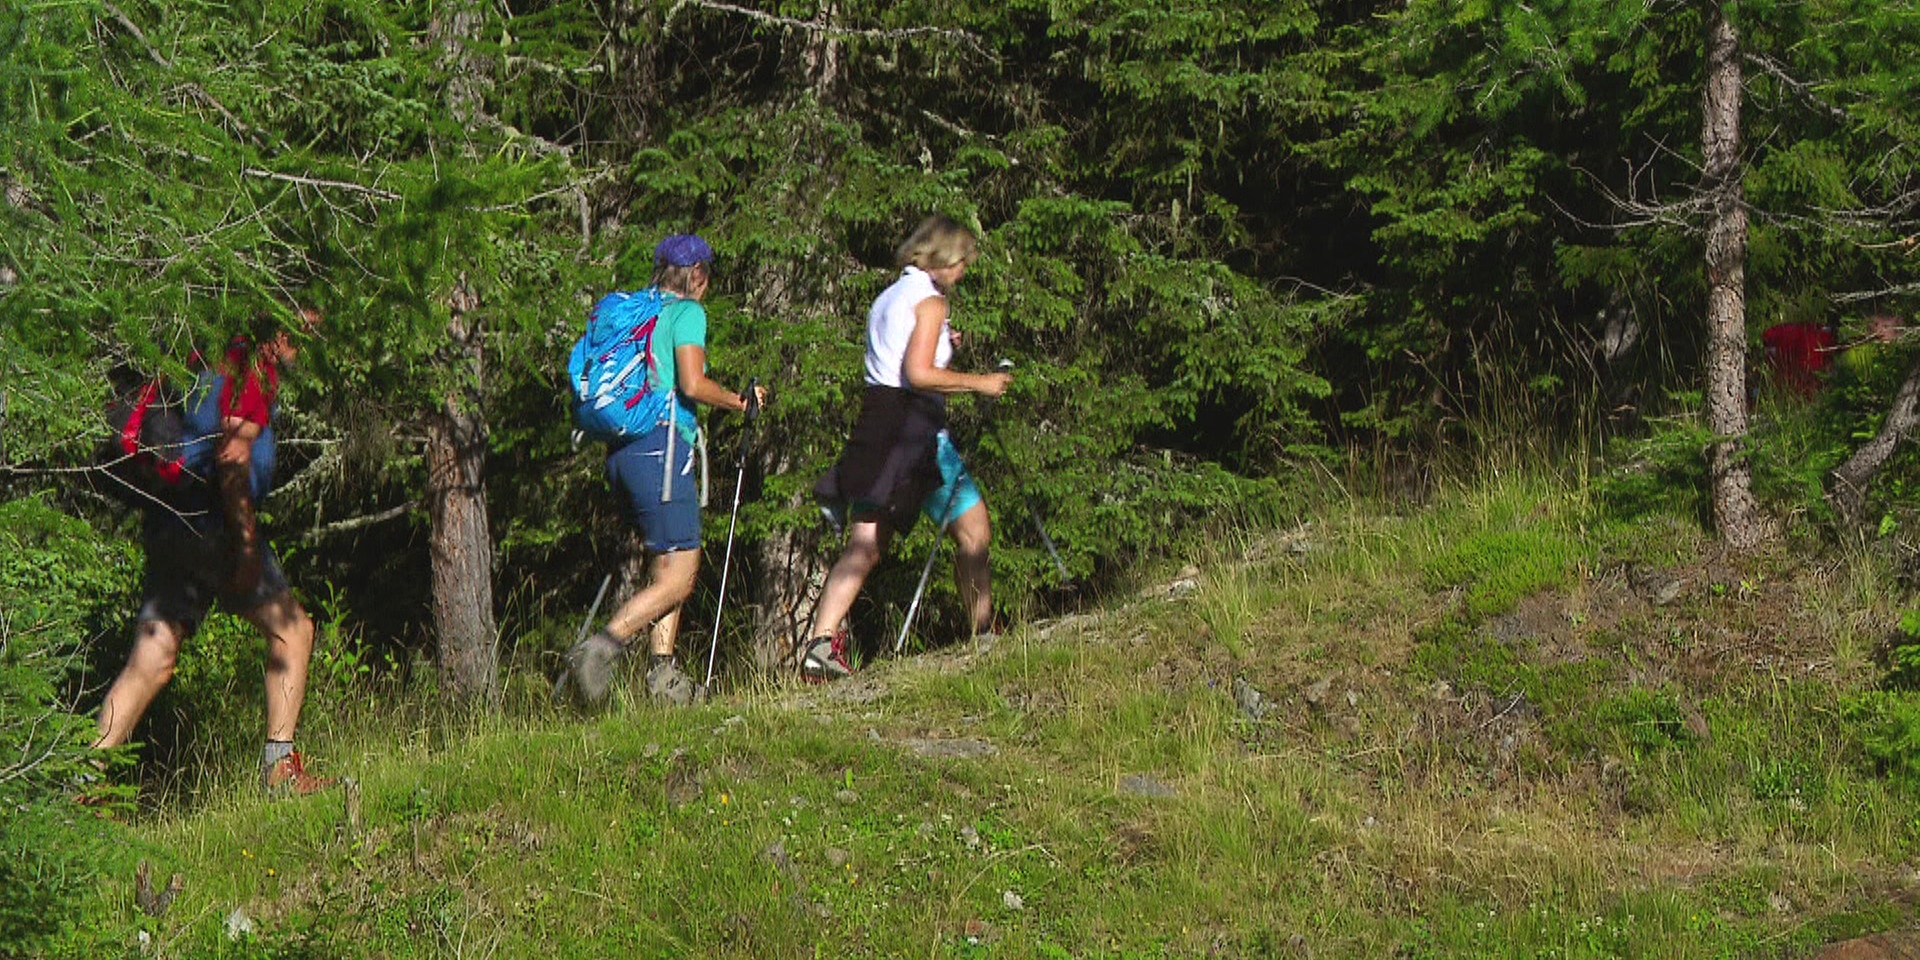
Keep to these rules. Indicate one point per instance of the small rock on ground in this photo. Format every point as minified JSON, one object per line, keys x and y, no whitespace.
{"x":1141,"y":785}
{"x":949,"y":749}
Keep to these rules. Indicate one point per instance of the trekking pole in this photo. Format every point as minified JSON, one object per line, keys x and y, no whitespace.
{"x":605,"y":582}
{"x":1020,"y":485}
{"x":566,"y":670}
{"x":740,"y":461}
{"x":926,"y":571}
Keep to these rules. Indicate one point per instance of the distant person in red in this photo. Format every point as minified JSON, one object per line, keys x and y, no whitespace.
{"x":1799,"y":355}
{"x":214,"y":553}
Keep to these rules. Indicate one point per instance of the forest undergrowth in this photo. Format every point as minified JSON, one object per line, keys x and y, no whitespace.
{"x":1489,"y":724}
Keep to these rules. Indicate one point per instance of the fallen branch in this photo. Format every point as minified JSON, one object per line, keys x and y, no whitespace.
{"x":1847,"y":483}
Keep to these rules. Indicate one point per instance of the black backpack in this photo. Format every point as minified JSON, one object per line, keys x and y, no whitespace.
{"x":149,"y":457}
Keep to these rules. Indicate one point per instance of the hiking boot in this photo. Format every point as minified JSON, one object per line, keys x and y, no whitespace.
{"x":825,"y":659}
{"x":668,"y":684}
{"x":96,"y":792}
{"x":590,"y":668}
{"x":289,"y":775}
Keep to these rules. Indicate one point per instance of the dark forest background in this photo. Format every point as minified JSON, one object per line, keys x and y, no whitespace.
{"x":1237,"y":251}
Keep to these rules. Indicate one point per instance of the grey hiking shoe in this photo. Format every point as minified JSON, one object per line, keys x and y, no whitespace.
{"x":668,"y":684}
{"x":825,"y":658}
{"x":589,"y":671}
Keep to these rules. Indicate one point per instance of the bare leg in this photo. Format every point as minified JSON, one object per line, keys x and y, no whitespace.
{"x":972,"y":573}
{"x":866,"y":541}
{"x":156,"y":644}
{"x":665,"y":630}
{"x":289,"y":633}
{"x":669,"y":585}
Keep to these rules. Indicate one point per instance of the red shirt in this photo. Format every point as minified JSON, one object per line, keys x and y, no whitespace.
{"x":1798,"y":353}
{"x":249,"y":395}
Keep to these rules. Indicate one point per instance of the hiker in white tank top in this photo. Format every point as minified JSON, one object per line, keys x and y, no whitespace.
{"x":895,"y":461}
{"x":890,"y":325}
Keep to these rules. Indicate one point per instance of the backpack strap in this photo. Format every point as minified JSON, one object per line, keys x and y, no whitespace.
{"x":167,"y":468}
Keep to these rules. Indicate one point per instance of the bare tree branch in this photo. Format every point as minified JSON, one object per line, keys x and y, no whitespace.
{"x":1801,"y":91}
{"x":347,"y":186}
{"x":1856,"y":296}
{"x":815,"y":26}
{"x":355,"y":523}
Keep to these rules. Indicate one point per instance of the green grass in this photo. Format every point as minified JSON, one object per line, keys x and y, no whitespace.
{"x":1478,"y":744}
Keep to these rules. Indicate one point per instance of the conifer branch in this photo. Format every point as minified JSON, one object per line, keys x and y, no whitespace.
{"x":199,"y":92}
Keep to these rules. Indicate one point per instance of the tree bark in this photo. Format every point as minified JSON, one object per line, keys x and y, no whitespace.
{"x":788,"y":577}
{"x":461,"y":542}
{"x":454,"y":32}
{"x":1736,"y":514}
{"x":823,"y":53}
{"x":1847,"y":484}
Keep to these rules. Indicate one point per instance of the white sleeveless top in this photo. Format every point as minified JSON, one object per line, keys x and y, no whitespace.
{"x":890,"y":325}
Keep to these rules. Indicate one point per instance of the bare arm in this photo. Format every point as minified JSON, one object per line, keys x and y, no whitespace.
{"x":690,"y":372}
{"x":233,"y":478}
{"x":921,"y":374}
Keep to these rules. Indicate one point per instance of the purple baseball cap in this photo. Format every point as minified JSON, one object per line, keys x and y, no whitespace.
{"x":682,"y":250}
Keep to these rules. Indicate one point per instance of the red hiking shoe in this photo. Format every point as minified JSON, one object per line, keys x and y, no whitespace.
{"x":289,"y":775}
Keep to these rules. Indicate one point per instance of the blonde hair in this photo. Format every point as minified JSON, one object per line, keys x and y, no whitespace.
{"x":937,"y":242}
{"x":679,"y":280}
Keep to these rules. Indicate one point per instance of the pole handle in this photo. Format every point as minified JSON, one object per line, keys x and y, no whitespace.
{"x":752,"y":397}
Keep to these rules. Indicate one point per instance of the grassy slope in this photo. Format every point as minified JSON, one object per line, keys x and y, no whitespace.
{"x":1484,"y":731}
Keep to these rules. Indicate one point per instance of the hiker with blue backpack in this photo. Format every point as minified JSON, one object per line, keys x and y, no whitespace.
{"x":203,"y":543}
{"x":900,"y":461}
{"x":635,"y":376}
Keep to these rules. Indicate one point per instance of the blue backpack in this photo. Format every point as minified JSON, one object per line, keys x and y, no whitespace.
{"x":612,"y":370}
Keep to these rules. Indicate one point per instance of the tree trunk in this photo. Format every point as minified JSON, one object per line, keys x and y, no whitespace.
{"x":789,"y":574}
{"x":822,"y":54}
{"x":454,"y":32}
{"x":462,"y":545}
{"x":1847,"y":484}
{"x":1736,"y":514}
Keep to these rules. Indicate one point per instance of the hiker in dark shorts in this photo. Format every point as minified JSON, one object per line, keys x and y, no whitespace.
{"x":899,"y":460}
{"x":211,"y":551}
{"x":654,"y":476}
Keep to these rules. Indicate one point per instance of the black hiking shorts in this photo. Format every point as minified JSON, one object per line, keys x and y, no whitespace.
{"x":188,"y":570}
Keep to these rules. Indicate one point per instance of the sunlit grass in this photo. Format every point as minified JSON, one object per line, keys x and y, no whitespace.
{"x":1090,"y":787}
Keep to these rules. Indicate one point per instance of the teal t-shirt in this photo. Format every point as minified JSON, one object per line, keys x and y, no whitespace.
{"x":682,"y":323}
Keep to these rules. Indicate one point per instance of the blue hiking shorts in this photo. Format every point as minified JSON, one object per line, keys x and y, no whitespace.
{"x":957,"y":492}
{"x":638,"y":472}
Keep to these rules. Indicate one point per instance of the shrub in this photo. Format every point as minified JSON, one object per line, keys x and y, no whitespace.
{"x":1887,"y":726}
{"x":54,"y":570}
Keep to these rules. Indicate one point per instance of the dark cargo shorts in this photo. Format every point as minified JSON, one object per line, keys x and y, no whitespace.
{"x":187,"y":573}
